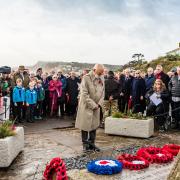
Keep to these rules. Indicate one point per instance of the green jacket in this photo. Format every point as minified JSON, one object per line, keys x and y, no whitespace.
{"x":40,"y":94}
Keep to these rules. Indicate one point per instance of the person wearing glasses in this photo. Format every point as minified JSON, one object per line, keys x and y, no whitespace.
{"x":138,"y":90}
{"x":161,"y":75}
{"x":158,"y":110}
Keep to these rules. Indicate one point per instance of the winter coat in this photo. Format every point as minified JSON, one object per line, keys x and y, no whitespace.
{"x":18,"y":94}
{"x":55,"y":92}
{"x":64,"y":82}
{"x":25,"y":79}
{"x":40,"y":93}
{"x":164,"y":77}
{"x":91,"y":95}
{"x":164,"y":95}
{"x":111,"y":88}
{"x":149,"y":81}
{"x":174,"y":86}
{"x":125,"y":85}
{"x":5,"y":84}
{"x":31,"y":96}
{"x":39,"y":77}
{"x":138,"y":90}
{"x":72,"y":89}
{"x":45,"y":85}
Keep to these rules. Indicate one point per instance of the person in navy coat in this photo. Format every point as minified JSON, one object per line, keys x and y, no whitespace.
{"x":138,"y":93}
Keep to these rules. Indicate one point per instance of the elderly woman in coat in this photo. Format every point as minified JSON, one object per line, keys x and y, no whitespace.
{"x":55,"y":93}
{"x":89,"y":109}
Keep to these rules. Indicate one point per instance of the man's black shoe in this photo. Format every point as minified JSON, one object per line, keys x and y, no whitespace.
{"x":30,"y":121}
{"x":86,"y":148}
{"x":94,"y":147}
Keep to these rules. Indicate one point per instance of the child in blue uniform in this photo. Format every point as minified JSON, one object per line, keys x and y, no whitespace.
{"x":40,"y":98}
{"x":31,"y":100}
{"x":18,"y":100}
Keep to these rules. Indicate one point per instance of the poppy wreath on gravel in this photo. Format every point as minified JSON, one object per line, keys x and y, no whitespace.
{"x":56,"y":169}
{"x":172,"y":148}
{"x":133,"y":162}
{"x":105,"y":167}
{"x":155,"y":155}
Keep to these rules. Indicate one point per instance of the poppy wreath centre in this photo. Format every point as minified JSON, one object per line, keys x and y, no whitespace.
{"x":133,"y":162}
{"x":104,"y":167}
{"x":55,"y":169}
{"x":155,"y":155}
{"x":172,"y":148}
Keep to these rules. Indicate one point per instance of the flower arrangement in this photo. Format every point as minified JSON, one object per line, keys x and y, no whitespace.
{"x":155,"y":155}
{"x":172,"y":148}
{"x":133,"y":162}
{"x":55,"y":170}
{"x":129,"y":114}
{"x":7,"y":128}
{"x":105,"y":167}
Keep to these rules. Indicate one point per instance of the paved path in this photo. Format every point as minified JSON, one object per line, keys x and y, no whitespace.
{"x":46,"y":139}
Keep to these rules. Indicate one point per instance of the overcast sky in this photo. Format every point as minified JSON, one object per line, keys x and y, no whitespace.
{"x":103,"y":31}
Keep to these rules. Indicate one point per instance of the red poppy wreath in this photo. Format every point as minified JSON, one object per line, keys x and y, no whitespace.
{"x":55,"y":170}
{"x":172,"y":148}
{"x":155,"y":155}
{"x":133,"y":162}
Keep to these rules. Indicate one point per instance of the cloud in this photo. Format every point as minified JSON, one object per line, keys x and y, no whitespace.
{"x":88,"y":31}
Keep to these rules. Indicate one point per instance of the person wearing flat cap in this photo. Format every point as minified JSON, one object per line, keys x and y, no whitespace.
{"x":22,"y":74}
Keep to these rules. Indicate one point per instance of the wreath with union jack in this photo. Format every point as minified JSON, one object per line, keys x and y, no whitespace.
{"x":172,"y":148}
{"x":105,"y":167}
{"x":133,"y":162}
{"x":155,"y":155}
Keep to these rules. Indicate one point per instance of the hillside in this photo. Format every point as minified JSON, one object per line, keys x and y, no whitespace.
{"x":68,"y":66}
{"x":168,"y":62}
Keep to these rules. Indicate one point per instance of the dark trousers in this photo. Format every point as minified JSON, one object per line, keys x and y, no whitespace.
{"x":46,"y":105}
{"x":158,"y":111}
{"x":176,"y":112}
{"x":123,"y":103}
{"x":19,"y":111}
{"x":88,"y":137}
{"x":30,"y":112}
{"x":71,"y":109}
{"x":24,"y":109}
{"x":61,"y":104}
{"x":38,"y":109}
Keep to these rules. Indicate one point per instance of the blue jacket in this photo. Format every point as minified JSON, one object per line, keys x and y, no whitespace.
{"x":18,"y":94}
{"x":149,"y":80}
{"x":64,"y":82}
{"x":31,"y":96}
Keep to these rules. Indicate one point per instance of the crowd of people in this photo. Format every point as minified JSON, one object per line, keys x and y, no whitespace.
{"x":36,"y":96}
{"x":41,"y":94}
{"x":133,"y":91}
